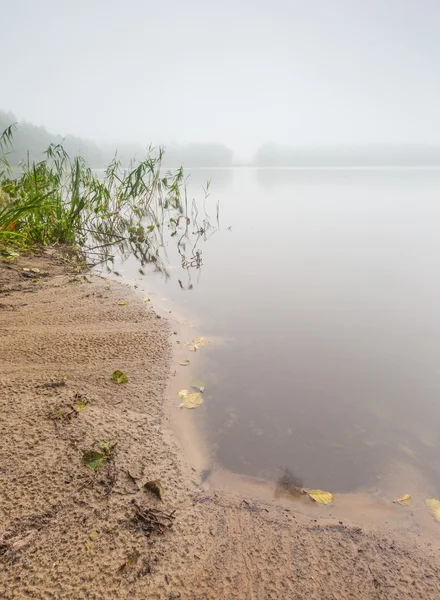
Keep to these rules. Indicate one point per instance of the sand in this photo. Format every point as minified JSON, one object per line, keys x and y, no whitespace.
{"x":69,"y":532}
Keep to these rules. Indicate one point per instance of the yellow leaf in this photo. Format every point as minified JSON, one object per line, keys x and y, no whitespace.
{"x":145,"y":299}
{"x":433,"y":505}
{"x":80,"y":405}
{"x":320,"y":496}
{"x":121,"y":303}
{"x":155,"y":487}
{"x":190,"y":399}
{"x":404,"y":500}
{"x":197,"y":343}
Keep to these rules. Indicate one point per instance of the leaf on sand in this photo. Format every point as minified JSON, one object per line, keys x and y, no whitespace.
{"x":92,"y":459}
{"x":404,"y":500}
{"x":145,"y":299}
{"x":119,"y":376}
{"x":35,"y":270}
{"x":320,"y":496}
{"x":122,"y":303}
{"x":130,"y":562}
{"x":198,"y":385}
{"x":184,"y":363}
{"x":80,"y":404}
{"x":93,"y":535}
{"x":433,"y":505}
{"x":190,"y":399}
{"x":155,"y":487}
{"x":107,"y":448}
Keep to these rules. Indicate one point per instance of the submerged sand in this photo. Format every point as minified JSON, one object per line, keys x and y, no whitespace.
{"x":68,"y":532}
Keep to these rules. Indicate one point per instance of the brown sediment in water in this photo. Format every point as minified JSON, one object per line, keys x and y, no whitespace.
{"x":69,"y":532}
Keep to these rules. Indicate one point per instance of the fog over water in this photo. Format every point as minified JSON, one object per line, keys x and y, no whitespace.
{"x":240,"y":74}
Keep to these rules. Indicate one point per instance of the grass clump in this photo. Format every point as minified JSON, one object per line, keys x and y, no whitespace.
{"x":60,"y":200}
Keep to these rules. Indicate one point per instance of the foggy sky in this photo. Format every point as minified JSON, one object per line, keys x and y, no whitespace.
{"x":241,"y":73}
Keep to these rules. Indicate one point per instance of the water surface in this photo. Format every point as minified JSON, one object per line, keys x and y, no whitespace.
{"x":325,"y":294}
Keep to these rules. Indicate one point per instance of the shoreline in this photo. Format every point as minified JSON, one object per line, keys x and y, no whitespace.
{"x":69,"y":532}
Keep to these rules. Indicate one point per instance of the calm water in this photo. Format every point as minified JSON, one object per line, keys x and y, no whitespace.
{"x":325,"y":294}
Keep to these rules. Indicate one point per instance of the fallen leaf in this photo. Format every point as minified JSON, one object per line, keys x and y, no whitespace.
{"x":155,"y":487}
{"x":197,"y":343}
{"x":35,"y":270}
{"x":130,"y":562}
{"x":11,"y":253}
{"x":198,"y":385}
{"x":80,"y":404}
{"x":184,"y":363}
{"x":145,"y":299}
{"x":26,"y":269}
{"x":93,"y":535}
{"x":119,"y":376}
{"x":88,"y":547}
{"x":190,"y":399}
{"x":320,"y":496}
{"x":107,"y":448}
{"x":404,"y":500}
{"x":121,"y":303}
{"x":433,"y":505}
{"x":92,"y":458}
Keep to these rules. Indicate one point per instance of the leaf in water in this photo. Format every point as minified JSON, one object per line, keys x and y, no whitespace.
{"x":200,"y":342}
{"x":320,"y":496}
{"x":198,"y":385}
{"x":119,"y":376}
{"x":184,"y":363}
{"x":92,"y":459}
{"x":404,"y":500}
{"x":122,"y":303}
{"x":155,"y":487}
{"x":433,"y":505}
{"x":197,"y":343}
{"x":190,"y":399}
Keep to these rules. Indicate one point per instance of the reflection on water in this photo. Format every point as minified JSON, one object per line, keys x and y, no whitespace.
{"x":325,"y":294}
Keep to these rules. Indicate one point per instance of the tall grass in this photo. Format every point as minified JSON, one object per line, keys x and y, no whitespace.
{"x":60,"y":200}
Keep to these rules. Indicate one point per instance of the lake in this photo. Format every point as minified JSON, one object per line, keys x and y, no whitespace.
{"x":322,"y":289}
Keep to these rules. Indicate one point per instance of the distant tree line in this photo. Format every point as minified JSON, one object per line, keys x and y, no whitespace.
{"x":30,"y":142}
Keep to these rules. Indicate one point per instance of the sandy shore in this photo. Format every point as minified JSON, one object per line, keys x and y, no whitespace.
{"x":69,"y":532}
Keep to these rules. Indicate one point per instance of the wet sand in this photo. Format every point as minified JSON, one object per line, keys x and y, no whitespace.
{"x":68,"y":532}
